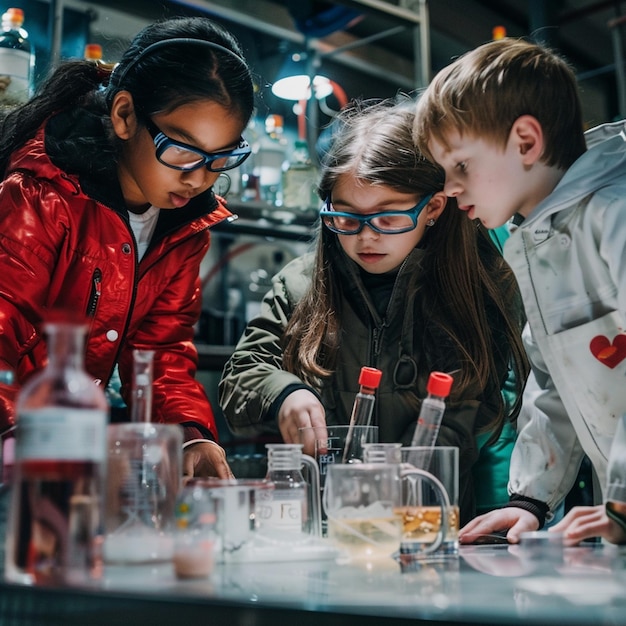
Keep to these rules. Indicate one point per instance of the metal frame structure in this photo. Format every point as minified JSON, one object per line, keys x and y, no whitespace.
{"x":273,"y":18}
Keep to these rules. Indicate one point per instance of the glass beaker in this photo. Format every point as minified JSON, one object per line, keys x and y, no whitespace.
{"x":361,"y":502}
{"x":364,"y":502}
{"x":237,"y":505}
{"x":382,"y":453}
{"x":144,"y":476}
{"x":426,"y":517}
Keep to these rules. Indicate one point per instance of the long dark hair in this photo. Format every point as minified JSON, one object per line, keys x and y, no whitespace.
{"x":159,"y":76}
{"x":468,"y":282}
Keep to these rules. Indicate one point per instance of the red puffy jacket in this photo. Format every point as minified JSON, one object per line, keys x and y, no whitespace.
{"x":63,"y":246}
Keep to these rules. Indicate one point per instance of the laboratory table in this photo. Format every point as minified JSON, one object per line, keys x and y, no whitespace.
{"x":486,"y":585}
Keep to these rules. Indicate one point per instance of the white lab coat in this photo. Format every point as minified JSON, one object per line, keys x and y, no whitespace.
{"x":569,"y":257}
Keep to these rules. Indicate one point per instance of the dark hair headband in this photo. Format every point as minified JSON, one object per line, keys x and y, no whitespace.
{"x":176,"y":40}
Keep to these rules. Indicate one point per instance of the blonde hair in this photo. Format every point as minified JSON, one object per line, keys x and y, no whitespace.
{"x":483,"y":92}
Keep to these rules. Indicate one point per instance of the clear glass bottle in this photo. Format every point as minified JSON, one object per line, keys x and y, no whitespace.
{"x":17,"y":60}
{"x":58,"y":475}
{"x":299,"y":180}
{"x":268,"y":160}
{"x":294,"y":508}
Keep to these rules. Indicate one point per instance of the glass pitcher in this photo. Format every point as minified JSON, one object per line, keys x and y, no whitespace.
{"x":292,"y":508}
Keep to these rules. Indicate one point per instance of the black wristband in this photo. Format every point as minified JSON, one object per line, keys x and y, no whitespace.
{"x":537,"y":508}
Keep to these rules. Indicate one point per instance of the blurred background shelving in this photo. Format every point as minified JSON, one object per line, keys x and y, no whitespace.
{"x":366,"y":49}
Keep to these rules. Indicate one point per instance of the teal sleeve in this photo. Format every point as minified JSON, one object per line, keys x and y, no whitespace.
{"x":499,"y":236}
{"x":491,"y":471}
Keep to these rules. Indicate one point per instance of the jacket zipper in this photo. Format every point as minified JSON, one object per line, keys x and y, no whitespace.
{"x":378,"y":330}
{"x":376,"y":333}
{"x":96,"y":292}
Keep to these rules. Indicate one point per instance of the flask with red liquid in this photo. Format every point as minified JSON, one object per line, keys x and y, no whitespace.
{"x":58,"y":474}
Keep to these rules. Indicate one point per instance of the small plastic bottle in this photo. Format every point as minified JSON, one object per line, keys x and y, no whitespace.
{"x":60,"y":458}
{"x":363,"y":406}
{"x":433,"y":408}
{"x":17,"y":60}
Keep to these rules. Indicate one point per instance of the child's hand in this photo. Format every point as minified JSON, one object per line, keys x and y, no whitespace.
{"x":513,"y":519}
{"x":584,"y":522}
{"x":204,"y":459}
{"x":300,"y":409}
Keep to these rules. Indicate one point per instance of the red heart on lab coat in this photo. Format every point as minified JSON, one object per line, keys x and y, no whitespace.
{"x":609,"y":354}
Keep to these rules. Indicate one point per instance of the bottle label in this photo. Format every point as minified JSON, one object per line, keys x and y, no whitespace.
{"x":284,"y":512}
{"x":61,"y":434}
{"x":14,"y":66}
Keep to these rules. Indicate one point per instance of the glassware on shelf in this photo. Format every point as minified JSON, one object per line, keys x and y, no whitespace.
{"x":299,"y":180}
{"x":17,"y":60}
{"x":268,"y":160}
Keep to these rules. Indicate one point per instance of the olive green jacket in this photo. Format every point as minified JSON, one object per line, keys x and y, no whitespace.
{"x":402,"y":343}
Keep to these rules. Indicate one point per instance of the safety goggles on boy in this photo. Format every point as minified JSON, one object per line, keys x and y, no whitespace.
{"x":386,"y":223}
{"x":181,"y":156}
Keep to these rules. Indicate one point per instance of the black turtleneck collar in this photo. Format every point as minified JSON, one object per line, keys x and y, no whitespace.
{"x":379,"y":287}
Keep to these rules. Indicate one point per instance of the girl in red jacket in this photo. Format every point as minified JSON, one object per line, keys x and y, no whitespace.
{"x":105,"y":208}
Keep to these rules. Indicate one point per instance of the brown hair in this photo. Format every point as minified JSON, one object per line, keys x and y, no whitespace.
{"x":469,"y":284}
{"x":483,"y":92}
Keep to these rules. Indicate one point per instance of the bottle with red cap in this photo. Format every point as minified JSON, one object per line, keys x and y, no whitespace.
{"x":433,"y":408}
{"x":92,"y":52}
{"x":363,"y":407}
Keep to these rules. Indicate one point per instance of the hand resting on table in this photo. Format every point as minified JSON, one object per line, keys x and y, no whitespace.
{"x":513,"y":519}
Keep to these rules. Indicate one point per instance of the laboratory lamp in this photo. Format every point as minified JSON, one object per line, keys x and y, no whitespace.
{"x":294,"y":80}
